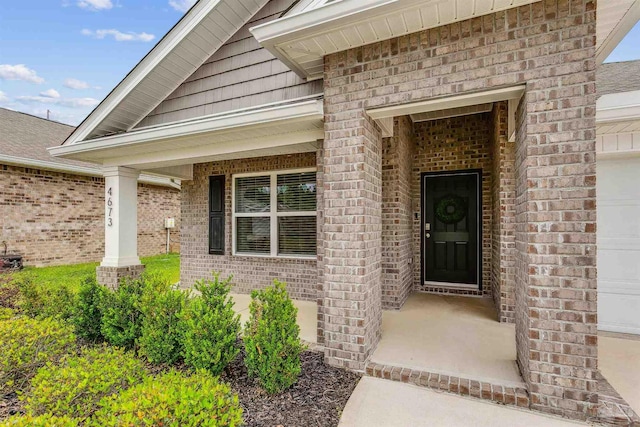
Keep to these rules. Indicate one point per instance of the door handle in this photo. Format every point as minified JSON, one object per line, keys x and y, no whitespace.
{"x":428,"y":235}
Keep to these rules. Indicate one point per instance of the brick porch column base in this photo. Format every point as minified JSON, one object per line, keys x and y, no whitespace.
{"x":111,"y":276}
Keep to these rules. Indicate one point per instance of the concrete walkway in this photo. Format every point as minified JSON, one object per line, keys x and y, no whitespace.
{"x":384,"y":403}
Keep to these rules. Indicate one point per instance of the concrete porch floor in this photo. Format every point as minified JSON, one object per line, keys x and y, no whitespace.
{"x":307,"y":315}
{"x":450,"y":335}
{"x":619,"y":362}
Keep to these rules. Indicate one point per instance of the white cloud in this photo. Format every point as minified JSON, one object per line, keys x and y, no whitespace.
{"x":4,"y":97}
{"x":51,"y":93}
{"x":95,"y":5}
{"x":19,"y":72}
{"x":64,"y":102}
{"x":119,"y":36}
{"x":75,"y":84}
{"x":181,"y":5}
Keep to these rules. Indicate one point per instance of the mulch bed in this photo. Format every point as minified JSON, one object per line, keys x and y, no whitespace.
{"x":10,"y":405}
{"x":316,"y":400}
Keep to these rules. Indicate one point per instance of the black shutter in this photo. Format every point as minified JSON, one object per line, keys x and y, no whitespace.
{"x":216,"y":215}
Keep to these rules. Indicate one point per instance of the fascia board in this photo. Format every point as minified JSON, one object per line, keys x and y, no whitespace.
{"x":449,"y":102}
{"x":616,"y":107}
{"x":309,"y":110}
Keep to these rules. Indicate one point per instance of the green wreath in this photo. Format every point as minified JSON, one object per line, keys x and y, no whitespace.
{"x":451,"y":209}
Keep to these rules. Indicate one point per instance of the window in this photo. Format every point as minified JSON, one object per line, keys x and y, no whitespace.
{"x":274,"y":214}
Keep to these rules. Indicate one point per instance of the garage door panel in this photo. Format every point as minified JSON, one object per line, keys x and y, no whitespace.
{"x":618,"y":204}
{"x":616,"y":266}
{"x":614,"y":313}
{"x":618,"y":220}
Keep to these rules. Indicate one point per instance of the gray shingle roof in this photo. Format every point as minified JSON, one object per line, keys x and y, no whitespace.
{"x":26,"y":136}
{"x":616,"y":77}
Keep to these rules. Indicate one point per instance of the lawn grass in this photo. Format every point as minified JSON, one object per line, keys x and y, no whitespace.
{"x":72,"y":275}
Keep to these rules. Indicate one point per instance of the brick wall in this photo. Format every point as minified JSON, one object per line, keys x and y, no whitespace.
{"x":550,"y":47}
{"x":249,"y":272}
{"x":54,"y":218}
{"x":154,"y":205}
{"x":503,"y":219}
{"x":458,"y":143}
{"x":397,"y":207}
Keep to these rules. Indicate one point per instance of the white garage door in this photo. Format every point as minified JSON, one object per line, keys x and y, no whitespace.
{"x":618,"y":189}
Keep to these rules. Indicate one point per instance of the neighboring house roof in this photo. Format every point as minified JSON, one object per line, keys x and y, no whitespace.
{"x":24,"y":140}
{"x":618,"y":77}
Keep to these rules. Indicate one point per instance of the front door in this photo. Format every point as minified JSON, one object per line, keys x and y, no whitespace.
{"x":451,"y":228}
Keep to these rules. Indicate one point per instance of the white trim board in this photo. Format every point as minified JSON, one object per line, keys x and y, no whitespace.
{"x":511,"y":94}
{"x":279,"y":129}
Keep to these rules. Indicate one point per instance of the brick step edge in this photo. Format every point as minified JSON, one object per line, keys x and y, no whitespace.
{"x":497,"y":393}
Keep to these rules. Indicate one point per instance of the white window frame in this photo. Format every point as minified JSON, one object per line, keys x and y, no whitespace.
{"x":273,"y":213}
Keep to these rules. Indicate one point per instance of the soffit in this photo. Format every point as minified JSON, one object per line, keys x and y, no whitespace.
{"x":301,"y":40}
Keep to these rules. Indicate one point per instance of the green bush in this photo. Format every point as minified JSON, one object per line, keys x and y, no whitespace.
{"x":87,"y":314}
{"x":75,"y":386}
{"x":271,"y":339}
{"x":210,"y":327}
{"x":28,"y":344}
{"x":121,"y":317}
{"x":160,"y":306}
{"x":6,"y":313}
{"x":41,"y":300}
{"x":172,"y":400}
{"x":39,"y":421}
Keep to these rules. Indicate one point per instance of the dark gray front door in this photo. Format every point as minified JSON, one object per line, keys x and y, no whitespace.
{"x":451,"y":227}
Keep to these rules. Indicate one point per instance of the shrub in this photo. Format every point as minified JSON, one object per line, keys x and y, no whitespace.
{"x":41,"y":300}
{"x":160,"y":306}
{"x":172,"y":399}
{"x":87,"y":314}
{"x":26,"y":345}
{"x":39,"y":421}
{"x":75,"y":386}
{"x":6,"y":313}
{"x":271,"y":339}
{"x":121,"y":317}
{"x":210,"y":327}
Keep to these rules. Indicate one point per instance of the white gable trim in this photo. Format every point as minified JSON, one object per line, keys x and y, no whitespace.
{"x":164,"y":49}
{"x":606,"y":45}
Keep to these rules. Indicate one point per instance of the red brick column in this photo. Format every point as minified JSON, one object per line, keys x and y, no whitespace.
{"x":352,"y":232}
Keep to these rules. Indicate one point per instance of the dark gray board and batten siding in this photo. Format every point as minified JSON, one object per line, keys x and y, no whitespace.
{"x":241,"y":74}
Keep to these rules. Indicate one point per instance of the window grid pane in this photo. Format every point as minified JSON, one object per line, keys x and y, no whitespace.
{"x":253,"y":235}
{"x":297,"y":235}
{"x":297,"y":192}
{"x":253,"y":194}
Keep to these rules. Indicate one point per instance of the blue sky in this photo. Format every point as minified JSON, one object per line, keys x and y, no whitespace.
{"x":66,"y":55}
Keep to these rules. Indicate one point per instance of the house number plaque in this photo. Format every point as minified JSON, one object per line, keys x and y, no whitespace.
{"x":109,"y":207}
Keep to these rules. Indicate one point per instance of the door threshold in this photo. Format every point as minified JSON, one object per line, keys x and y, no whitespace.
{"x":465,"y":286}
